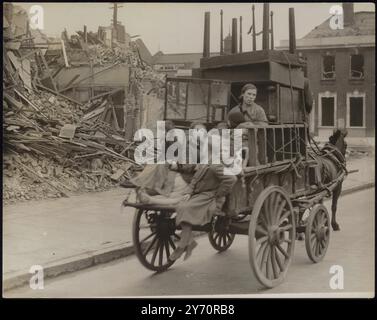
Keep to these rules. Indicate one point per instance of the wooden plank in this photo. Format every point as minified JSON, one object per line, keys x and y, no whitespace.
{"x":252,"y":147}
{"x":262,"y":145}
{"x":115,"y":119}
{"x":57,"y":71}
{"x":98,"y":72}
{"x":13,"y":101}
{"x":48,"y":71}
{"x":70,"y":82}
{"x":59,"y":94}
{"x":64,"y":54}
{"x":93,"y":113}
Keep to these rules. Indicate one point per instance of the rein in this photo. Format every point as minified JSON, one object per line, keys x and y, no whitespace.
{"x":334,"y":154}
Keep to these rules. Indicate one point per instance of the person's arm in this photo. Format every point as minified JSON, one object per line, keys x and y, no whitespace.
{"x":261,"y":115}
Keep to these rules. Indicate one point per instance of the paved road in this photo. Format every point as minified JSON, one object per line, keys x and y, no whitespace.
{"x":209,"y":273}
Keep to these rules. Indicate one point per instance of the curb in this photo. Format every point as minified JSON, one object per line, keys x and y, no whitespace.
{"x":358,"y":188}
{"x":93,"y":258}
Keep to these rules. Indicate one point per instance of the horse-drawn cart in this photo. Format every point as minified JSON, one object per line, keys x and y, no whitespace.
{"x":279,"y":194}
{"x":272,"y":222}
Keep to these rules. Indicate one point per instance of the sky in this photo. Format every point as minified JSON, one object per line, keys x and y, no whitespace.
{"x":178,"y":27}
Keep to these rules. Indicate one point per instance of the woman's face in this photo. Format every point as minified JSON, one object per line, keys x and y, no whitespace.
{"x":249,"y":96}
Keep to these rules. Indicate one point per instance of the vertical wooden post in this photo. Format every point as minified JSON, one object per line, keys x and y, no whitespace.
{"x":272,"y":31}
{"x":64,"y":54}
{"x":221,"y":33}
{"x":252,"y":147}
{"x":85,"y":35}
{"x":240,"y":34}
{"x":266,"y":29}
{"x":254,"y":34}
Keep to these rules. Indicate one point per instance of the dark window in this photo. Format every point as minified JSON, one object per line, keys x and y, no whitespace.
{"x":328,"y":111}
{"x":328,"y":67}
{"x":356,"y":111}
{"x":357,"y":66}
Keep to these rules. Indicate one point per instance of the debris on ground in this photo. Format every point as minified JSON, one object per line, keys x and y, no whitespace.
{"x":54,"y":144}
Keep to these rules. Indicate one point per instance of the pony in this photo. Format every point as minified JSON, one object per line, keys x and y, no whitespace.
{"x":332,"y":163}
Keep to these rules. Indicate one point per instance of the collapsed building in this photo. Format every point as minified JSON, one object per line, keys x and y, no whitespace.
{"x":71,"y":107}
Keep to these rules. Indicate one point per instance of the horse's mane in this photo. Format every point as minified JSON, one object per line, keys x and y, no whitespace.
{"x":334,"y":138}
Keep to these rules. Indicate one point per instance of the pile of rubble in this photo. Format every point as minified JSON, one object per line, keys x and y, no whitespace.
{"x":54,"y":145}
{"x":51,"y":151}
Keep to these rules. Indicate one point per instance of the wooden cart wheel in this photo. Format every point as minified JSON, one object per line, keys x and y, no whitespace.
{"x":272,"y":233}
{"x":154,"y":236}
{"x":219,"y":236}
{"x":317,"y":233}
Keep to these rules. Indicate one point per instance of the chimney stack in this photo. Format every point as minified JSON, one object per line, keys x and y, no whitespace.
{"x":348,"y":14}
{"x":234,"y":35}
{"x":206,"y":41}
{"x":292,"y":31}
{"x":266,"y":27}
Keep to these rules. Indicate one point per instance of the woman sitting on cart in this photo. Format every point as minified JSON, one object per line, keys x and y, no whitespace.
{"x":158,"y":184}
{"x":196,"y":205}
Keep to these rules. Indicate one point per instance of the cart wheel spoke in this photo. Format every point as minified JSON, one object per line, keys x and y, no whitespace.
{"x":261,"y":230}
{"x":161,"y":253}
{"x":280,"y":211}
{"x":156,"y":249}
{"x":274,"y":263}
{"x":269,"y":271}
{"x":270,"y":206}
{"x":148,"y":237}
{"x":317,"y":248}
{"x":167,"y":249}
{"x":172,"y":244}
{"x":266,"y":215}
{"x":276,"y":207}
{"x":262,"y":221}
{"x":261,"y":240}
{"x":267,"y":262}
{"x":260,"y":252}
{"x":264,"y":256}
{"x":285,"y":254}
{"x":151,"y":244}
{"x":284,"y":216}
{"x":276,"y":254}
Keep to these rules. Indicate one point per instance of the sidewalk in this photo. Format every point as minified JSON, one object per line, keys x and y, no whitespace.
{"x":69,"y":234}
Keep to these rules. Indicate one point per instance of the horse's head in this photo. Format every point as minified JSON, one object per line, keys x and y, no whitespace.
{"x":338,"y":140}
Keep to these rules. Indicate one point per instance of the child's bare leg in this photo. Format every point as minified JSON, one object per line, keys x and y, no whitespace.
{"x":186,"y":235}
{"x":159,"y":199}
